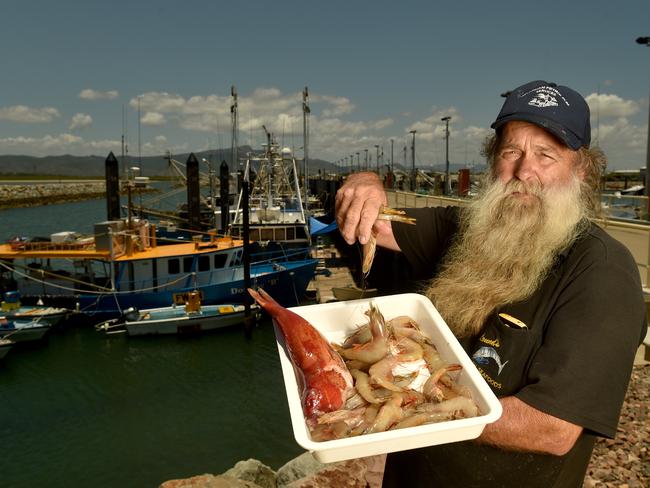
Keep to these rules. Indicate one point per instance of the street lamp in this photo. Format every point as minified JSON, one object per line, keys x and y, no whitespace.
{"x":646,"y":41}
{"x":447,"y":179}
{"x":377,"y":148}
{"x":413,"y":160}
{"x":365,"y":161}
{"x":358,"y":162}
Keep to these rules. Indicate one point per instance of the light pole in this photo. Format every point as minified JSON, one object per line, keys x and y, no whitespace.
{"x":365,"y":161}
{"x":413,"y":160}
{"x":646,"y":42}
{"x":392,"y":161}
{"x":358,"y":162}
{"x":377,"y":148}
{"x":447,"y":180}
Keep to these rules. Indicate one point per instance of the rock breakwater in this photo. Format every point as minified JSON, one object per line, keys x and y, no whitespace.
{"x":35,"y":194}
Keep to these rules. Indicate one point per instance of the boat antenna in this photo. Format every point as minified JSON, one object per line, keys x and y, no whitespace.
{"x":123,"y":129}
{"x":235,"y":128}
{"x":305,"y":131}
{"x":139,"y":140}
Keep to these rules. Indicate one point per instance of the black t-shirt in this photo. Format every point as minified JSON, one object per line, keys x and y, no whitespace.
{"x":572,"y":361}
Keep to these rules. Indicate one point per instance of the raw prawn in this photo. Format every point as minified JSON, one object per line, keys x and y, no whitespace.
{"x":369,"y":248}
{"x":374,"y":350}
{"x":326,"y":381}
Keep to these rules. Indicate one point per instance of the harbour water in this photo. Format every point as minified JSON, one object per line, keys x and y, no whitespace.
{"x":83,"y":409}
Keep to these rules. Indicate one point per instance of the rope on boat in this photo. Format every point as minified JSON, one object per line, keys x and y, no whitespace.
{"x":106,"y":291}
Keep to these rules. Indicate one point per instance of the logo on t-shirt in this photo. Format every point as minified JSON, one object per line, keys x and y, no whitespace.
{"x":485,"y":353}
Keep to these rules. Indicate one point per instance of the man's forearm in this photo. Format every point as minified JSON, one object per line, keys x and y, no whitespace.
{"x":524,"y":428}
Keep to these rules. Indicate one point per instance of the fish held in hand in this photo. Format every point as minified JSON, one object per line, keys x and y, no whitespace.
{"x":325,"y":380}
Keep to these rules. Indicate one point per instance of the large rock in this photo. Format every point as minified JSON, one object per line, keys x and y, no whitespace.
{"x":299,"y":467}
{"x":305,"y":471}
{"x":209,"y":481}
{"x":255,"y":471}
{"x":346,"y":474}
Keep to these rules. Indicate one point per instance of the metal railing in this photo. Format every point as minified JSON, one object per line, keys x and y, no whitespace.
{"x":633,"y":234}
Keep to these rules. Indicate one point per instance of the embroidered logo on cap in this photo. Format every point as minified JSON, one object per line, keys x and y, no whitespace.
{"x":543,"y":100}
{"x":545,"y":96}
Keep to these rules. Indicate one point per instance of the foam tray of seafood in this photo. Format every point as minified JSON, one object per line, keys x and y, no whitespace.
{"x":337,"y":321}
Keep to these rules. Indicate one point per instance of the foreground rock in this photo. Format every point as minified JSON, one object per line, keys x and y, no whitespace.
{"x":301,"y":472}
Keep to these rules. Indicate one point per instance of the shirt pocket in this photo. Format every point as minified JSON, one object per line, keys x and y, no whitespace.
{"x":501,"y":355}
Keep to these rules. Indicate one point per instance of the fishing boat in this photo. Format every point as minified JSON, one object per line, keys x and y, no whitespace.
{"x":23,"y":330}
{"x":189,"y":318}
{"x":5,"y":347}
{"x":122,"y":266}
{"x":277,"y":213}
{"x":12,"y":309}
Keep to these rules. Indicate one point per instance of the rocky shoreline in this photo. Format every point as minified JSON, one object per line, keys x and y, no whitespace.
{"x":621,"y":462}
{"x":36,"y":194}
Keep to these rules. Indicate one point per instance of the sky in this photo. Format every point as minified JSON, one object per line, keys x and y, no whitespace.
{"x":76,"y":74}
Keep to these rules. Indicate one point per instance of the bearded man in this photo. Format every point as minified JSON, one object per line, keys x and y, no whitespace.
{"x":547,"y":304}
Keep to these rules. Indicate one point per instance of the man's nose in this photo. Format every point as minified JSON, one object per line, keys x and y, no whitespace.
{"x":525,"y":169}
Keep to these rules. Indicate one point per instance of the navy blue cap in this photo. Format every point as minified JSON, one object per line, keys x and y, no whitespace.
{"x":558,"y":109}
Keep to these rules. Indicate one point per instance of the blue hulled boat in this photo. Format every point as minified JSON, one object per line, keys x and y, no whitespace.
{"x":123,"y":267}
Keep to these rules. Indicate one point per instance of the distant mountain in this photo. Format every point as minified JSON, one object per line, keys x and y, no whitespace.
{"x":93,"y":166}
{"x":68,"y":165}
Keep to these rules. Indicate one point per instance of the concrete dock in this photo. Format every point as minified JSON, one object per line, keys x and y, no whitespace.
{"x":332,"y":272}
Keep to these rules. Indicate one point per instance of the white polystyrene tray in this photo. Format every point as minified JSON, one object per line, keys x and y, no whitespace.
{"x":335,"y":321}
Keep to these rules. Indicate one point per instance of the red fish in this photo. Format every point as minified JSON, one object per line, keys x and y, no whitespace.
{"x":324,"y":379}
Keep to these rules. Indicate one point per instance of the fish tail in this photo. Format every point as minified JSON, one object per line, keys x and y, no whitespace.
{"x":265,"y":300}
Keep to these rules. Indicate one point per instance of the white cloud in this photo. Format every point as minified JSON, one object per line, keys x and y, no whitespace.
{"x":80,"y":121}
{"x":56,"y":144}
{"x":608,"y":105}
{"x":153,"y":119}
{"x":90,"y":94}
{"x":30,"y":115}
{"x":432,"y":128}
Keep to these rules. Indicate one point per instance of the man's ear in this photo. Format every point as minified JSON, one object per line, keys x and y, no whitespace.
{"x":580,"y":166}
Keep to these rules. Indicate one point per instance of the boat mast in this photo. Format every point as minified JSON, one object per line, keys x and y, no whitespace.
{"x":270,"y":190}
{"x":305,"y":131}
{"x":139,"y":139}
{"x":123,"y":129}
{"x":235,"y":129}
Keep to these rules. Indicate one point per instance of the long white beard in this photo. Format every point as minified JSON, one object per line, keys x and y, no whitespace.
{"x":505,"y":248}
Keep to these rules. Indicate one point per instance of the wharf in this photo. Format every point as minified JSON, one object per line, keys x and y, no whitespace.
{"x":332,"y":272}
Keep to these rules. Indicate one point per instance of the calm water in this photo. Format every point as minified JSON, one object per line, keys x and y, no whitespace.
{"x":82,"y":409}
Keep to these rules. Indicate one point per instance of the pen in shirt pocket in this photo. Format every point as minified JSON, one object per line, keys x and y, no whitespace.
{"x":512,"y":322}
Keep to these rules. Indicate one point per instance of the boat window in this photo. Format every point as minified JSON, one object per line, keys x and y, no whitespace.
{"x":187,"y":264}
{"x":204,"y":263}
{"x":267,"y":234}
{"x":291,"y":234}
{"x":173,"y":266}
{"x":220,"y":260}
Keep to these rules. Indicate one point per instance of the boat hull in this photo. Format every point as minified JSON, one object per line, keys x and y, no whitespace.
{"x":43,"y":315}
{"x":170,"y":320}
{"x":26,"y":332}
{"x":287,"y":281}
{"x":5,"y":347}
